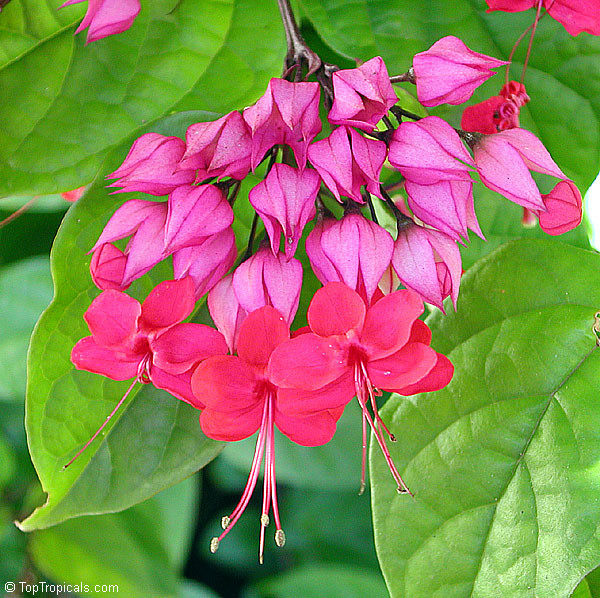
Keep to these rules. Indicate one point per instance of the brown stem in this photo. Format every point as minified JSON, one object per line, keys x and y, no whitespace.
{"x":17,"y":213}
{"x":408,"y":76}
{"x":298,"y":49}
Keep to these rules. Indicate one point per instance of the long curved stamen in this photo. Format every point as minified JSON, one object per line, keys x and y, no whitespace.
{"x":95,"y":435}
{"x":266,"y":504}
{"x":378,"y":419}
{"x":362,"y":400}
{"x":230,"y":521}
{"x":279,"y":534}
{"x":533,"y":29}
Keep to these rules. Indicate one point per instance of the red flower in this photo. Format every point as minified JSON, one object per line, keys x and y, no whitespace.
{"x":241,"y":397}
{"x":354,"y":350}
{"x":144,"y":341}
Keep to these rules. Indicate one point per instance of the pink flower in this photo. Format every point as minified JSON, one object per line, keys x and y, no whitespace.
{"x":353,"y":250}
{"x":429,"y":151}
{"x":575,"y":15}
{"x":207,"y":261}
{"x":346,"y":161}
{"x":267,"y":279}
{"x":195,"y":212}
{"x":428,"y":262}
{"x":241,"y":398}
{"x":449,"y":72}
{"x":150,"y":166}
{"x":447,"y":206}
{"x":145,"y":222}
{"x":497,"y":113}
{"x":286,"y":113}
{"x":285,"y":201}
{"x":362,"y":96}
{"x":108,"y":267}
{"x":563,"y":209}
{"x":503,"y":161}
{"x":353,"y":349}
{"x":221,"y":148}
{"x":146,"y":341}
{"x":106,"y":17}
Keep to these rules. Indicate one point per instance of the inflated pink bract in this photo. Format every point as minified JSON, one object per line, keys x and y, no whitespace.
{"x":449,"y":72}
{"x":362,"y":96}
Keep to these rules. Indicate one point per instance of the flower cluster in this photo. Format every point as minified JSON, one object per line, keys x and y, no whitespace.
{"x":364,"y":333}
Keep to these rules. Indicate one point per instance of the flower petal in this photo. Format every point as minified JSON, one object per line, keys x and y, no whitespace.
{"x":406,"y":366}
{"x":389,"y":322}
{"x":335,"y":395}
{"x":179,"y":348}
{"x":168,"y":303}
{"x":313,"y":430}
{"x":437,"y":378}
{"x":307,"y":362}
{"x":179,"y":385}
{"x":336,"y":309}
{"x":261,"y":331}
{"x":225,"y":383}
{"x":88,"y":355}
{"x":230,"y":427}
{"x":113,"y":318}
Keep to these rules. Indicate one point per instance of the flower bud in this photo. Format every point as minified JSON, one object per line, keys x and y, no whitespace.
{"x":362,"y":96}
{"x":449,"y":72}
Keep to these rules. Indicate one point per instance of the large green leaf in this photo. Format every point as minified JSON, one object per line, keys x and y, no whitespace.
{"x":136,"y":549}
{"x":503,"y":462}
{"x":153,"y":442}
{"x":65,"y":104}
{"x":561,"y":66}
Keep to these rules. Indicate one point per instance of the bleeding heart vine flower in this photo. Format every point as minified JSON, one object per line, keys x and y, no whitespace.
{"x":354,"y":350}
{"x":147,"y":342}
{"x":241,"y":397}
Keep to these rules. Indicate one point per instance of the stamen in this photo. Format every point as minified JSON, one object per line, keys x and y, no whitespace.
{"x":280,"y":538}
{"x":401,"y":485}
{"x":363,"y":467}
{"x":264,"y":520}
{"x":103,"y":425}
{"x":271,"y":445}
{"x":250,"y":484}
{"x":225,"y":521}
{"x":533,"y":28}
{"x":266,"y":504}
{"x":214,"y":545}
{"x":378,"y":419}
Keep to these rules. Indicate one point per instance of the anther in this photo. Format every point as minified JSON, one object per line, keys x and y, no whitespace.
{"x":214,"y":545}
{"x":362,"y":489}
{"x":225,"y":521}
{"x":264,"y":520}
{"x":280,"y":538}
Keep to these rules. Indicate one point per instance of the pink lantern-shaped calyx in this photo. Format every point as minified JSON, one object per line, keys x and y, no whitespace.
{"x":221,"y":148}
{"x":563,"y":209}
{"x":346,"y":161}
{"x":287,"y":113}
{"x":362,"y":96}
{"x":150,"y":166}
{"x":428,"y":262}
{"x":285,"y":200}
{"x":449,"y":72}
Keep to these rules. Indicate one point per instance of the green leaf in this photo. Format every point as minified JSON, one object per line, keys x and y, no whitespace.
{"x":582,"y":590}
{"x":153,"y":442}
{"x":503,"y":462}
{"x":25,"y":291}
{"x":66,"y":105}
{"x":323,"y":581}
{"x":130,"y":549}
{"x":561,"y":66}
